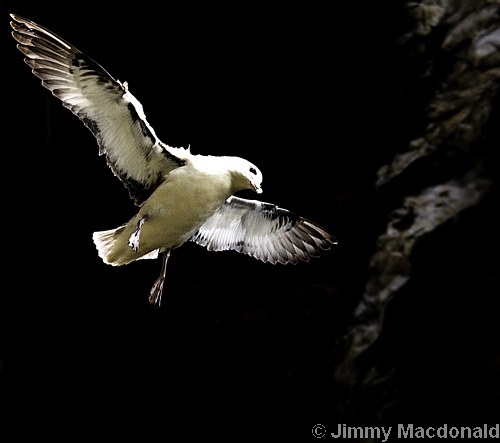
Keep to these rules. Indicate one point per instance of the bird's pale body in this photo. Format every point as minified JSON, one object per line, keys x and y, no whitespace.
{"x":176,"y":209}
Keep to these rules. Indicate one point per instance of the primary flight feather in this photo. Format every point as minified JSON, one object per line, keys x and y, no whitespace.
{"x":181,"y":197}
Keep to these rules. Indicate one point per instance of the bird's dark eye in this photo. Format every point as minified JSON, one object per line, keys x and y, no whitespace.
{"x":253,"y":171}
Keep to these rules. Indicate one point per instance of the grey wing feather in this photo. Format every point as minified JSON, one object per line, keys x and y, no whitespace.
{"x":115,"y":117}
{"x":264,"y":231}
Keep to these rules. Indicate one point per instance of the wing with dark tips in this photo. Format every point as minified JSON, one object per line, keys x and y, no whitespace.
{"x":264,"y":231}
{"x":103,"y":104}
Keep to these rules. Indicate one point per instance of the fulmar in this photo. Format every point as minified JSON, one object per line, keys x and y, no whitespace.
{"x":181,"y":196}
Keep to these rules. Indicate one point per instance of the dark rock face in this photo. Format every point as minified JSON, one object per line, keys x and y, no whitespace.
{"x":430,"y":267}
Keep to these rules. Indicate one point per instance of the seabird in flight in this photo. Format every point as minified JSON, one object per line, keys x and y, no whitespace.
{"x":181,"y":197}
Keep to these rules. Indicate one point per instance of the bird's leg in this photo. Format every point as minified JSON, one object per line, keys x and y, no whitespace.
{"x":157,"y":289}
{"x":133,"y":240}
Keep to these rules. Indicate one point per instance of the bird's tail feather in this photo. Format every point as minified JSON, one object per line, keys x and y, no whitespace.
{"x":114,"y":249}
{"x":105,"y":241}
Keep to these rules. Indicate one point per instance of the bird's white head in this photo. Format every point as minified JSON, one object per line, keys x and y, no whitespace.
{"x":245,"y":175}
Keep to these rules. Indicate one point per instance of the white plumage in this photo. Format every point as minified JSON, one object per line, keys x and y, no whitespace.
{"x":181,"y":197}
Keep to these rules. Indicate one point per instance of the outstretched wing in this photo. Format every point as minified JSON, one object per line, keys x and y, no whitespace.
{"x":115,"y":117}
{"x":264,"y":231}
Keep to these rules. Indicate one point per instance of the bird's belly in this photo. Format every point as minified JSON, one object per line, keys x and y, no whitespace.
{"x":174,"y":211}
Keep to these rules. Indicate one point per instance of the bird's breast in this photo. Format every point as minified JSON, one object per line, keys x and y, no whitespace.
{"x":178,"y":207}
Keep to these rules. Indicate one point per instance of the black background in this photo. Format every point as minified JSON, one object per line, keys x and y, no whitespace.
{"x":310,"y":95}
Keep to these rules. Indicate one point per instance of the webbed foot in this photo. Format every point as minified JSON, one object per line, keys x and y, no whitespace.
{"x":157,"y":289}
